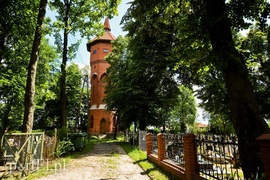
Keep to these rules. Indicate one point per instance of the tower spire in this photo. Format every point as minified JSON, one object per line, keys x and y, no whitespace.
{"x":107,"y":26}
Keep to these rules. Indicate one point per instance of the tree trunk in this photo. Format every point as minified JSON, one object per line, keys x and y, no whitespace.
{"x":245,"y":115}
{"x":63,"y":96}
{"x":31,"y":76}
{"x":143,"y":117}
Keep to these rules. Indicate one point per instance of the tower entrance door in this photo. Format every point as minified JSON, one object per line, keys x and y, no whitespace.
{"x":103,"y":126}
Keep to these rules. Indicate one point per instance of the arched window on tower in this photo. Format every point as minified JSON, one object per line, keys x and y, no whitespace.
{"x":94,"y":90}
{"x":104,"y":82}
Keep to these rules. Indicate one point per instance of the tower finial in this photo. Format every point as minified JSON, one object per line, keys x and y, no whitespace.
{"x":107,"y":26}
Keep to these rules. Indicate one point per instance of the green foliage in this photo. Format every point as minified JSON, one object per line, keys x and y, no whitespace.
{"x":220,"y":125}
{"x":62,"y":133}
{"x":156,"y":130}
{"x":83,"y":16}
{"x":145,"y":84}
{"x":256,"y":47}
{"x":50,"y":133}
{"x":46,"y":78}
{"x":183,"y":114}
{"x":17,"y":26}
{"x":46,"y":109}
{"x":74,"y":82}
{"x":63,"y":147}
{"x":197,"y":130}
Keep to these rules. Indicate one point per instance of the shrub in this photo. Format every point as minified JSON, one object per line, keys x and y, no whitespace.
{"x":62,"y":133}
{"x":63,"y":147}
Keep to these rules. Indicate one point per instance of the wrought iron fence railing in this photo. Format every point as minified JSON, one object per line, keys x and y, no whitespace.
{"x":218,"y":156}
{"x":154,"y":144}
{"x":174,"y":148}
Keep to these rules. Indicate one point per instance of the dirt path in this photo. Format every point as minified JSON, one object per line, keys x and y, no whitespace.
{"x":106,"y":161}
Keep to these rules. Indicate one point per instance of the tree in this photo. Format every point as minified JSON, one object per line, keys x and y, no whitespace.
{"x":185,"y":109}
{"x":204,"y":39}
{"x":120,"y":96}
{"x":75,"y":16}
{"x":46,"y":87}
{"x":244,"y":110}
{"x":31,"y":77}
{"x":145,"y":84}
{"x":255,"y":46}
{"x":74,"y":85}
{"x":220,"y":124}
{"x":17,"y":27}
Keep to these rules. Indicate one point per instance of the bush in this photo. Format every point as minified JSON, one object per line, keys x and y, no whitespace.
{"x":50,"y":133}
{"x":63,"y":147}
{"x":62,"y":133}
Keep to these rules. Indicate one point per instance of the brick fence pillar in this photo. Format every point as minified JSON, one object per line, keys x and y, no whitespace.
{"x":190,"y":155}
{"x":264,"y":142}
{"x":148,"y":144}
{"x":161,"y":147}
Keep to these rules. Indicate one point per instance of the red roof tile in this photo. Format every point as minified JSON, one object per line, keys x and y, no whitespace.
{"x":107,"y":35}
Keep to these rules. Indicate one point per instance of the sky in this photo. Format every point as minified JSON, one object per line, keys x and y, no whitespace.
{"x":83,"y":56}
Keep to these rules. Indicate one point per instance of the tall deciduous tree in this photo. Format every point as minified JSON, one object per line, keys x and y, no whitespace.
{"x":74,"y":84}
{"x":29,"y":103}
{"x":184,"y":110}
{"x":140,"y":81}
{"x":17,"y":27}
{"x":46,"y":79}
{"x":77,"y":16}
{"x":255,"y":46}
{"x":245,"y":115}
{"x":204,"y":39}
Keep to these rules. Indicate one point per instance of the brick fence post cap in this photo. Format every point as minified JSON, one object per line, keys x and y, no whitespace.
{"x":264,"y":137}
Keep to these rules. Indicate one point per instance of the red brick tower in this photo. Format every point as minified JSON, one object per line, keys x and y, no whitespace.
{"x":100,"y":121}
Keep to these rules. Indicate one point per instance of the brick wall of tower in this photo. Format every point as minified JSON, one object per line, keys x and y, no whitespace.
{"x":100,"y":54}
{"x":98,"y":115}
{"x":99,"y":120}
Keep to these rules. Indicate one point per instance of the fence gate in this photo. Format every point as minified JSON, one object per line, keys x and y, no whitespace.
{"x":23,"y":151}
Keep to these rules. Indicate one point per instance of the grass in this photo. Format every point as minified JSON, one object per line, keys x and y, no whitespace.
{"x":138,"y":156}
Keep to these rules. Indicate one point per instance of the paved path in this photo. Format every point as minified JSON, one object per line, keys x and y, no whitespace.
{"x":106,"y":161}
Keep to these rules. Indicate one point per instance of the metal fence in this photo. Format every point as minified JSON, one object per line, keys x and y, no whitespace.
{"x":175,"y":148}
{"x":137,"y":139}
{"x":132,"y":138}
{"x":154,"y":144}
{"x":218,"y":156}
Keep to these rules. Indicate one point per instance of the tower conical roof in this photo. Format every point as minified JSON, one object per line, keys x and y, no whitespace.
{"x":107,"y":25}
{"x":107,"y":35}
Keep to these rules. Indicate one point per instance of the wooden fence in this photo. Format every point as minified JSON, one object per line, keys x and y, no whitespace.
{"x":49,"y":147}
